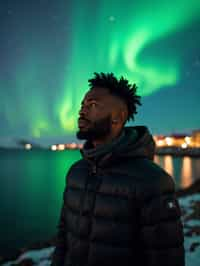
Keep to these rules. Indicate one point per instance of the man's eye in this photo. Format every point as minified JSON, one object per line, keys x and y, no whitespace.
{"x":93,"y":104}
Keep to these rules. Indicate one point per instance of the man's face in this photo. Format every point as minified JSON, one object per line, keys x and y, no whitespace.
{"x":95,"y":120}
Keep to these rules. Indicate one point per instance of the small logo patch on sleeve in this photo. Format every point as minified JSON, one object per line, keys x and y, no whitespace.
{"x":171,"y":204}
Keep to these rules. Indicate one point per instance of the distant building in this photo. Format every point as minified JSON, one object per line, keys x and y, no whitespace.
{"x":174,"y":140}
{"x":68,"y":146}
{"x":28,"y":145}
{"x":196,"y":138}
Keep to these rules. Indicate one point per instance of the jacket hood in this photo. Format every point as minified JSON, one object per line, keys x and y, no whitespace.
{"x":141,"y":146}
{"x":133,"y":142}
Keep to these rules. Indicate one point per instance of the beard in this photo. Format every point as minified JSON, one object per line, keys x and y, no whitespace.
{"x":96,"y":130}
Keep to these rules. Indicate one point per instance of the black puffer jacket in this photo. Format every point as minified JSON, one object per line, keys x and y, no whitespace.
{"x":119,"y":208}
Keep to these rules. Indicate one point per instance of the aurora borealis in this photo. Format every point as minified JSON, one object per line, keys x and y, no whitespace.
{"x":49,"y":49}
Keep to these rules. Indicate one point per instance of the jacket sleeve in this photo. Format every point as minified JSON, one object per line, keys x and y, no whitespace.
{"x":161,"y":231}
{"x":60,"y":247}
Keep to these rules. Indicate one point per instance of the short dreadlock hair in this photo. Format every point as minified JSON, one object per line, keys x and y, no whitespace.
{"x":120,"y":88}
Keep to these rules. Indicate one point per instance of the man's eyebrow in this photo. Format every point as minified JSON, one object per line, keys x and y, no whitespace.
{"x":90,"y":99}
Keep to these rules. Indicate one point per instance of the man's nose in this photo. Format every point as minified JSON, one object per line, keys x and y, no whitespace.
{"x":82,"y":111}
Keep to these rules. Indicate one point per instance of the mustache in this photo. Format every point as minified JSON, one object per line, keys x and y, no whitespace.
{"x":83,"y":119}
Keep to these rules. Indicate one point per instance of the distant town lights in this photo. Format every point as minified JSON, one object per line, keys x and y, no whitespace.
{"x":188,"y":140}
{"x":53,"y":148}
{"x":184,"y":145}
{"x":169,"y":141}
{"x":73,"y":145}
{"x":28,"y":146}
{"x":160,"y":142}
{"x":61,"y":147}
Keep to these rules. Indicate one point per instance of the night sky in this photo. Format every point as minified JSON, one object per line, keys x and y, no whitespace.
{"x":49,"y":49}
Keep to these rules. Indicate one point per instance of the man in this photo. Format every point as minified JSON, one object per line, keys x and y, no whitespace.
{"x":119,"y":207}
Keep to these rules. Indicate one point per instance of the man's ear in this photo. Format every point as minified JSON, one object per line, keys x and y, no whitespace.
{"x":120,"y":114}
{"x":123,"y":116}
{"x":118,"y":118}
{"x":114,"y":121}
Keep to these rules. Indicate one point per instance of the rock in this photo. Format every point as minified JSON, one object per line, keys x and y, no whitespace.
{"x":194,"y":188}
{"x":193,"y":246}
{"x":194,"y":231}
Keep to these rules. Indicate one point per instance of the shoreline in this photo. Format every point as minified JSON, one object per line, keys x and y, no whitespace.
{"x":159,"y":151}
{"x":178,"y":151}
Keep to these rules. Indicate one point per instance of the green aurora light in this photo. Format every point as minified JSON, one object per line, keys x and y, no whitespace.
{"x":105,"y":36}
{"x":114,"y":42}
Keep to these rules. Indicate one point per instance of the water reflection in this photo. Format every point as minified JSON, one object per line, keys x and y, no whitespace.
{"x":168,"y":164}
{"x":157,"y":159}
{"x":186,"y":172}
{"x":183,"y":169}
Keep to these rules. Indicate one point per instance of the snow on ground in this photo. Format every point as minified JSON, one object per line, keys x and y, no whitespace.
{"x":190,"y":206}
{"x":38,"y":257}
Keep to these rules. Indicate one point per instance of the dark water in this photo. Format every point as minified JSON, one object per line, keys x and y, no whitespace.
{"x":31,"y":191}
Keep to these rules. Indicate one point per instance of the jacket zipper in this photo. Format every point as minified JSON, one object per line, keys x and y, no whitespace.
{"x":94,"y":171}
